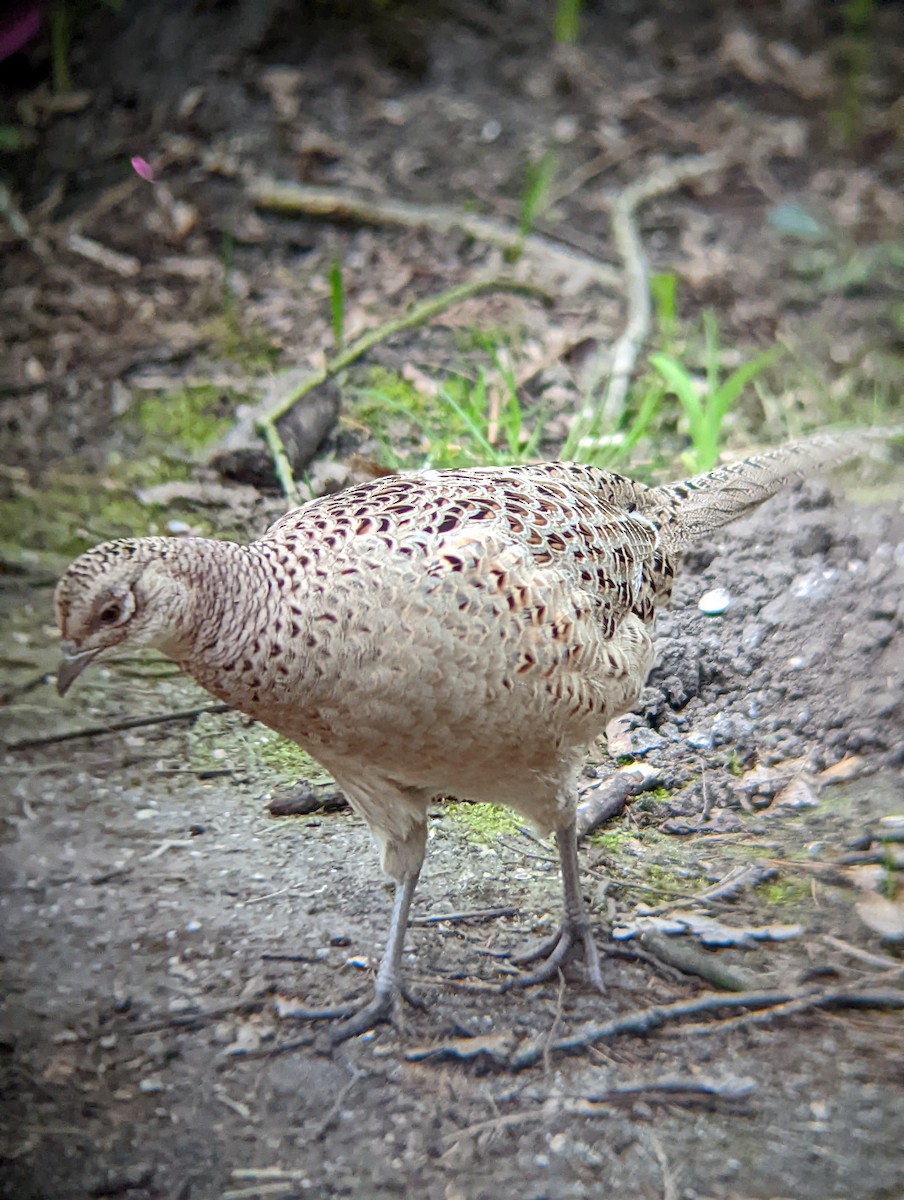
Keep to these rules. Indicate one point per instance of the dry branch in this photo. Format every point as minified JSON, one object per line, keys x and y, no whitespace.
{"x":780,"y":1002}
{"x":284,"y":197}
{"x":71,"y":735}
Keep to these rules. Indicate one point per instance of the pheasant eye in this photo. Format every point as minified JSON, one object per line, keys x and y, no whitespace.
{"x":110,"y":615}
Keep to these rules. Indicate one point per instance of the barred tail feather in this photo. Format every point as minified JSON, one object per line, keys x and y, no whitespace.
{"x":699,"y":505}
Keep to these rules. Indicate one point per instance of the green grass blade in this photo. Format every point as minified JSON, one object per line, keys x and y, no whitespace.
{"x":337,"y":302}
{"x":731,"y":388}
{"x":536,"y":188}
{"x":685,"y":387}
{"x":566,"y":22}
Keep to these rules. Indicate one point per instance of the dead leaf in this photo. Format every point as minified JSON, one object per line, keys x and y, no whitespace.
{"x":851,"y":767}
{"x":769,"y":781}
{"x":869,"y":877}
{"x":742,"y":50}
{"x":60,"y":1068}
{"x":796,"y":794}
{"x":248,"y":1037}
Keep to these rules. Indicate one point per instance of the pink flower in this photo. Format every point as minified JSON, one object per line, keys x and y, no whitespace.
{"x":142,"y":167}
{"x":18,"y":28}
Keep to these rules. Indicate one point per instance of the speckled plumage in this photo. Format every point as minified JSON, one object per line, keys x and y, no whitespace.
{"x":461,"y":633}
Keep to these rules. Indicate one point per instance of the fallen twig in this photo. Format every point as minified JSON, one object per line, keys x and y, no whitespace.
{"x":791,"y":1008}
{"x":419,"y":314}
{"x":606,"y":801}
{"x":71,"y":735}
{"x":126,"y":266}
{"x":191,"y":1018}
{"x":688,"y":958}
{"x":646,"y":1020}
{"x":669,"y":1188}
{"x":666,"y":1091}
{"x":323,"y":1126}
{"x":480,"y":914}
{"x":874,"y":960}
{"x":286,"y":197}
{"x":19,"y":690}
{"x":19,"y":223}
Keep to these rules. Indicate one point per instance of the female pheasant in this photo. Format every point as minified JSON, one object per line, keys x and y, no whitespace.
{"x":449,"y":633}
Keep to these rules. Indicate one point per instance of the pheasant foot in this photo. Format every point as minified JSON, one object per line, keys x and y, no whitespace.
{"x":357,"y":1016}
{"x":575,"y":929}
{"x":555,"y":951}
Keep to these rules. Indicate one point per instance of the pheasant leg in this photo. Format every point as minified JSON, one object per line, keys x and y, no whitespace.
{"x":575,"y":929}
{"x":388,"y":987}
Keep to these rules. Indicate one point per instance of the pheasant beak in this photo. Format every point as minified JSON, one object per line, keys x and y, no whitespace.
{"x":74,"y":662}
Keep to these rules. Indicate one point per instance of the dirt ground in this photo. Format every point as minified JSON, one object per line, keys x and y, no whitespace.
{"x":154,"y":912}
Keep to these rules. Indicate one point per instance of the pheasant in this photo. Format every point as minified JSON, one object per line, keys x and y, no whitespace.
{"x":458,"y":633}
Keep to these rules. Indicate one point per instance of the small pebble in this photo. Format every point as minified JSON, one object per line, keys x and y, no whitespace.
{"x":894,"y":821}
{"x":715,"y":602}
{"x":816,"y":585}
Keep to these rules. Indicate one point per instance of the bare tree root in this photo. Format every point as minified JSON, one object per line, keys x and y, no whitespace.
{"x":618,"y":363}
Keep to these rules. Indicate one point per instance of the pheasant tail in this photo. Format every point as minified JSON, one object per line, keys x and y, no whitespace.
{"x":695,"y":507}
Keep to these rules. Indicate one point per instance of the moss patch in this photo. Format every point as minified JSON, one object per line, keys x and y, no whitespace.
{"x":247,"y":345}
{"x":484,"y":822}
{"x":782,"y":893}
{"x":63,"y":520}
{"x":228,"y":740}
{"x":287,"y":759}
{"x":188,"y":420}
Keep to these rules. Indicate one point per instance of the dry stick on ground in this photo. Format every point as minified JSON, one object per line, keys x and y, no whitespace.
{"x":666,"y":1091}
{"x":419,"y":314}
{"x":72,"y":735}
{"x":687,"y":957}
{"x":195,"y":1018}
{"x":618,"y":363}
{"x":781,"y":1003}
{"x":606,"y":801}
{"x":19,"y":223}
{"x":277,"y":196}
{"x":669,"y":1189}
{"x":790,"y":1009}
{"x":874,"y":960}
{"x":480,"y":914}
{"x":124,"y":265}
